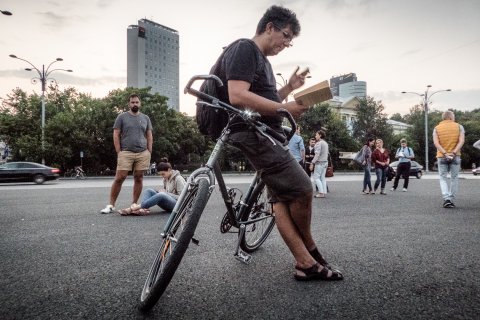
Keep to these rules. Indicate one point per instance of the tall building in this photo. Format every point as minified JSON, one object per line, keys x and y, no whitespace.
{"x":153,"y":60}
{"x":335,"y":82}
{"x":355,"y":88}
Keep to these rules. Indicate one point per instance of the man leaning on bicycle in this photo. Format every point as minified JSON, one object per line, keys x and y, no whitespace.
{"x":250,"y":82}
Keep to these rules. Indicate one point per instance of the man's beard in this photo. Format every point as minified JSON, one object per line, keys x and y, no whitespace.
{"x":134,"y":109}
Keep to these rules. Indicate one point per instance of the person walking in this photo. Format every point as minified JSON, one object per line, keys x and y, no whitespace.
{"x":309,"y":154}
{"x":381,"y":160}
{"x":319,"y":164}
{"x":165,"y":196}
{"x":448,"y":137}
{"x":297,"y":148}
{"x":249,"y":81}
{"x":133,"y":140}
{"x":367,"y":165}
{"x":404,"y":155}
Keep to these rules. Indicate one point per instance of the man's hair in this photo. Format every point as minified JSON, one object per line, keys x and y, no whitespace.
{"x":403,"y":140}
{"x":281,"y":17}
{"x":133,"y":95}
{"x":448,"y":115}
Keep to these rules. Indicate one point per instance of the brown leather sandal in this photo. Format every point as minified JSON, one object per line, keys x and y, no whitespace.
{"x":312,"y":273}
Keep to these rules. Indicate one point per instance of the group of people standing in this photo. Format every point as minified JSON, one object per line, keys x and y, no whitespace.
{"x":314,"y":159}
{"x":448,"y":138}
{"x":379,"y":158}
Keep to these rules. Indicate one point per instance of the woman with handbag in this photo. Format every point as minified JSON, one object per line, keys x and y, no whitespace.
{"x":319,"y":164}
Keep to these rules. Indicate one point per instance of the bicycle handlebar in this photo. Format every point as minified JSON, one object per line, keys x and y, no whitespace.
{"x":247,"y":115}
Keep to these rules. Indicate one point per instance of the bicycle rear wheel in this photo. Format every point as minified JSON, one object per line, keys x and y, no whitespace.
{"x":256,"y":233}
{"x":175,"y":244}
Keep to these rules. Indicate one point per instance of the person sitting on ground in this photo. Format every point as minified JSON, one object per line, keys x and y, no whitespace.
{"x":165,"y":197}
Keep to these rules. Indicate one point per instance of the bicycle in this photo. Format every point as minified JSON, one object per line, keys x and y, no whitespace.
{"x":252,"y":217}
{"x":78,"y":173}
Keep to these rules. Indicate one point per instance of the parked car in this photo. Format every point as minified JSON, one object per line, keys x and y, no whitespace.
{"x":27,"y":172}
{"x":476,"y":171}
{"x":416,"y":169}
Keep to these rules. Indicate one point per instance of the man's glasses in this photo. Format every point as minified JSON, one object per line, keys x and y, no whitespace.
{"x":288,"y":37}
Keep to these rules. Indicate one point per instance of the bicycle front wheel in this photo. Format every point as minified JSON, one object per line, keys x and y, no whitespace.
{"x":261,"y":210}
{"x":175,"y":244}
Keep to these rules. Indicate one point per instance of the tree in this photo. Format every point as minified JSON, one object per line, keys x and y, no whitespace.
{"x":397,"y":117}
{"x":371,"y":122}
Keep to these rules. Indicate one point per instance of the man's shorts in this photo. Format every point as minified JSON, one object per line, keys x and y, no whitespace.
{"x":133,"y":161}
{"x":285,"y":178}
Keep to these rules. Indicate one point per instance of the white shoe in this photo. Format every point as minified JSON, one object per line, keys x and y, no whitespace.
{"x":108,"y":209}
{"x":404,"y":189}
{"x":392,"y":189}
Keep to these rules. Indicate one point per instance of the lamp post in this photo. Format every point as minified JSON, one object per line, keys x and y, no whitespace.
{"x":426,"y":100}
{"x":43,"y":76}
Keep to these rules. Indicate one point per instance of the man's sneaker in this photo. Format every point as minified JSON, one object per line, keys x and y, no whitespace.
{"x":108,"y":209}
{"x":383,"y":192}
{"x":404,"y":189}
{"x":393,"y":189}
{"x":448,"y":204}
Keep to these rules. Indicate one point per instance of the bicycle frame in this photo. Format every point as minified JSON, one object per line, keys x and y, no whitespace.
{"x":213,"y":173}
{"x":212,"y":169}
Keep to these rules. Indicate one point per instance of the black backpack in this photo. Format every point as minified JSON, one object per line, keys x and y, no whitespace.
{"x":211,"y":121}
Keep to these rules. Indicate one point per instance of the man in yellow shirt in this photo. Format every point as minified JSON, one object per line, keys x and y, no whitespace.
{"x":448,"y":137}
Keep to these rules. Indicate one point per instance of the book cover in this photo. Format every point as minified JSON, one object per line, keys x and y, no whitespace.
{"x":314,"y":94}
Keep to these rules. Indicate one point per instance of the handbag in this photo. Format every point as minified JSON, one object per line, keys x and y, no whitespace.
{"x":329,"y":172}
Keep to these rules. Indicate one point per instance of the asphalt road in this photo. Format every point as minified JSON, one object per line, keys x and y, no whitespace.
{"x":403,"y":257}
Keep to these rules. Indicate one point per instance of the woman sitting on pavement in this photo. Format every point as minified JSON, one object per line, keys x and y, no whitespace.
{"x":165,"y":197}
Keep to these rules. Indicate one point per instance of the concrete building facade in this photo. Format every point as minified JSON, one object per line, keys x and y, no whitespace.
{"x":153,"y":54}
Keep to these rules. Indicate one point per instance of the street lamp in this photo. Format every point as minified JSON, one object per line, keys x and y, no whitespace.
{"x":43,"y":76}
{"x":5,"y":12}
{"x":425,"y":102}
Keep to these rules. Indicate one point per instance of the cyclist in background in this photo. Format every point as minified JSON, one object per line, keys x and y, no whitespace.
{"x":250,"y":83}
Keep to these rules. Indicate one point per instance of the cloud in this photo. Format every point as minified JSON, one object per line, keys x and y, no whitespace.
{"x":104,"y":3}
{"x":53,"y":20}
{"x":66,"y":78}
{"x":410,"y":52}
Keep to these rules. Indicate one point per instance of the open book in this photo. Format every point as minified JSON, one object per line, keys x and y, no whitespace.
{"x":314,"y":94}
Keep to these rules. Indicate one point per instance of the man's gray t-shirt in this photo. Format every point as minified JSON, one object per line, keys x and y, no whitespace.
{"x":133,"y":131}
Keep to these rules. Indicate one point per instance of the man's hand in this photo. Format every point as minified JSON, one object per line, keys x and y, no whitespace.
{"x":295,"y":108}
{"x":297,"y":79}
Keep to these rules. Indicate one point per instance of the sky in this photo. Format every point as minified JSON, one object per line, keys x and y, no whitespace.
{"x":394,"y":46}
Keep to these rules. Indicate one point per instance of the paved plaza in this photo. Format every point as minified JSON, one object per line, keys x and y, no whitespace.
{"x":403,"y":257}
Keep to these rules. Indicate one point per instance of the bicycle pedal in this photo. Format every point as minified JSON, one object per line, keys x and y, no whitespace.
{"x":196,"y":241}
{"x":243,"y":257}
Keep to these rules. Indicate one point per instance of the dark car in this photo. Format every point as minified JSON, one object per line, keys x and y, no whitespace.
{"x":27,"y":172}
{"x":416,"y":169}
{"x":476,"y":171}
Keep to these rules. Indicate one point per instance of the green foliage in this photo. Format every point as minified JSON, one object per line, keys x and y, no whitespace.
{"x":78,"y":123}
{"x":397,"y":117}
{"x":371,"y":122}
